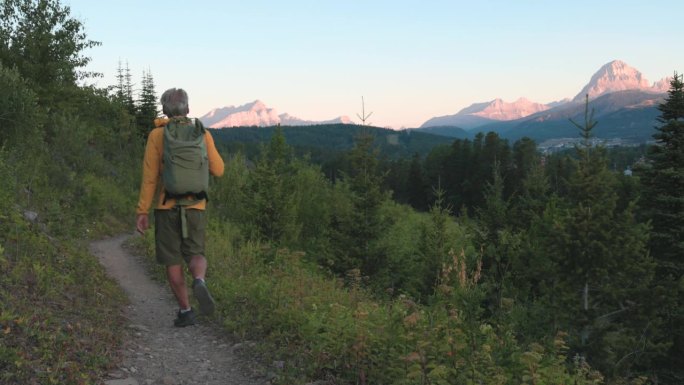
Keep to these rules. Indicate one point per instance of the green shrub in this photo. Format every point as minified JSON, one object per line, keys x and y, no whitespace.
{"x":328,"y":328}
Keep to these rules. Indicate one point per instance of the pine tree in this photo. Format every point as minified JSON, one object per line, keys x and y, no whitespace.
{"x":147,"y":109}
{"x":525,"y":158}
{"x":664,"y":181}
{"x":663,"y":205}
{"x":355,"y":231}
{"x":272,"y":207}
{"x":433,"y":242}
{"x":417,"y":184}
{"x":123,"y":90}
{"x":604,"y":269}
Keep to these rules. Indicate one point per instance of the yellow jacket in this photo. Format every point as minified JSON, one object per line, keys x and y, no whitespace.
{"x":152,"y":170}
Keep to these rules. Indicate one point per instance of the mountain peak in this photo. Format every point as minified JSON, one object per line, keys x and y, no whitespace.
{"x":255,"y":105}
{"x":257,"y":113}
{"x":614,"y":76}
{"x":498,"y":109}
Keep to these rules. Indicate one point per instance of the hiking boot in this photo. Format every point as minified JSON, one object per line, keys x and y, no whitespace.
{"x":206,"y":303}
{"x":184,"y":319}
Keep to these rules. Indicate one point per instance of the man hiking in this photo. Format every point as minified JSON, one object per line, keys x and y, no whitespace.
{"x":179,"y":156}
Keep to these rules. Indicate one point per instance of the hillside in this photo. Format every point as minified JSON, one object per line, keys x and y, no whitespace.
{"x":321,"y":140}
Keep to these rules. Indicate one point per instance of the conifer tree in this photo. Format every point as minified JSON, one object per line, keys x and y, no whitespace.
{"x":356,"y":231}
{"x":366,"y":185}
{"x":534,"y":193}
{"x":272,"y":207}
{"x":123,"y":90}
{"x":525,"y":158}
{"x":433,"y":242}
{"x":417,"y":184}
{"x":147,"y":109}
{"x":663,"y":205}
{"x":604,"y":269}
{"x":664,"y":181}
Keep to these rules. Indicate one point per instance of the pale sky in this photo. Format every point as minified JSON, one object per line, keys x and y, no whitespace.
{"x":410,"y":60}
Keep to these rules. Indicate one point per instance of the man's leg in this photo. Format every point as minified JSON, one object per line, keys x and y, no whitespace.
{"x":198,"y":267}
{"x":168,"y":242}
{"x":193,"y":250}
{"x":174,"y":274}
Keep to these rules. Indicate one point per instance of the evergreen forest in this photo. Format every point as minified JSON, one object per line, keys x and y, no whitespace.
{"x":428,"y":260}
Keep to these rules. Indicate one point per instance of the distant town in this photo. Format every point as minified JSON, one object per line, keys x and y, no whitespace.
{"x":550,"y":146}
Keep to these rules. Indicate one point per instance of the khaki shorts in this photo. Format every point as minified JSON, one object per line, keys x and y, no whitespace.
{"x":171,"y":247}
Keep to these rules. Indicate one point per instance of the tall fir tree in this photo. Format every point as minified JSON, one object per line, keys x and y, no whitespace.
{"x":273,"y":204}
{"x":433,"y":243}
{"x":123,"y":90}
{"x":663,"y":205}
{"x":147,"y":108}
{"x":604,"y":271}
{"x":356,"y":231}
{"x":417,"y":184}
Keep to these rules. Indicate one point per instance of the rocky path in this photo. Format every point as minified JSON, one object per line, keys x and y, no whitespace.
{"x":155,"y":352}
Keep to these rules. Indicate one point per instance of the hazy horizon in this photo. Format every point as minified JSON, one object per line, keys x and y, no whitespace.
{"x":410,"y":60}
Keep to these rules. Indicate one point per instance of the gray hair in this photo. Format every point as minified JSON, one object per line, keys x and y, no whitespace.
{"x":174,"y":102}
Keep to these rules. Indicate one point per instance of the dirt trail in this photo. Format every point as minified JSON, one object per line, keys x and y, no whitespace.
{"x":155,"y":352}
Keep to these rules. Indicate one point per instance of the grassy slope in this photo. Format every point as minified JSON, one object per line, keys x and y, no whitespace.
{"x":60,"y":319}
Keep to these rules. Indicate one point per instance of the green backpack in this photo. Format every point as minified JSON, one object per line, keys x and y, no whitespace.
{"x":186,"y":163}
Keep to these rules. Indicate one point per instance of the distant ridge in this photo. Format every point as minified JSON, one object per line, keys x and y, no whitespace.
{"x":625,"y":105}
{"x":479,"y":114}
{"x":629,"y":114}
{"x":258,"y":114}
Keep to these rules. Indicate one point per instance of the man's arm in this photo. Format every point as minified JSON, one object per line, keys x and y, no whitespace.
{"x":216,"y":165}
{"x":150,"y":178}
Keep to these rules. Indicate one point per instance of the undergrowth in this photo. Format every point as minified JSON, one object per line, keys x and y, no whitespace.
{"x":311,"y":326}
{"x":60,"y":319}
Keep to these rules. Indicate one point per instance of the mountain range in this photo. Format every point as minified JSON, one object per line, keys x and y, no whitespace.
{"x":258,"y":114}
{"x":623,"y":101}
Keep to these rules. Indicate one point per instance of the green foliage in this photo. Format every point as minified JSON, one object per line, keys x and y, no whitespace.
{"x":44,"y":43}
{"x":326,"y":143}
{"x":65,"y":174}
{"x":18,"y":112}
{"x":147,"y":109}
{"x":435,"y":243}
{"x":587,"y":268}
{"x":357,"y":230}
{"x":322,"y":328}
{"x":663,"y":205}
{"x":272,"y":200}
{"x":55,"y":327}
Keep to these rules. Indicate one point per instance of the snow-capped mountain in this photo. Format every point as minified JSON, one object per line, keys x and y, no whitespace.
{"x":618,"y":76}
{"x":612,"y":77}
{"x":481,"y":113}
{"x":497,"y":109}
{"x":258,"y":114}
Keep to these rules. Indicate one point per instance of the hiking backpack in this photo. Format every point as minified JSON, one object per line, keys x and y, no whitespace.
{"x":185,"y":159}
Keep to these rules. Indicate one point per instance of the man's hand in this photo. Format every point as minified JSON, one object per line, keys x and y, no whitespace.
{"x":142,"y":223}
